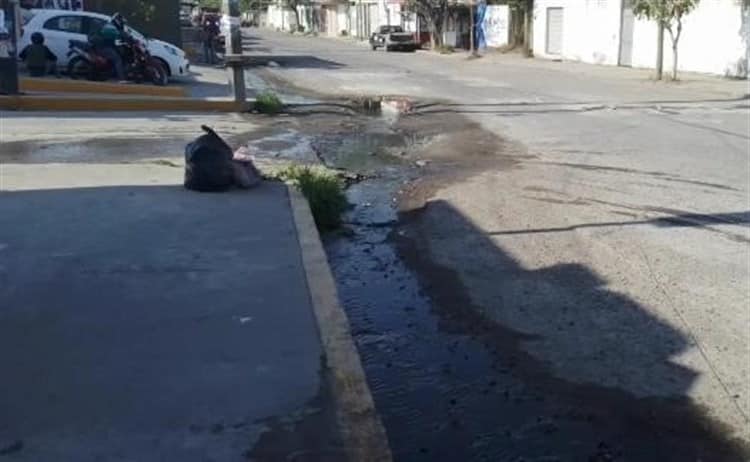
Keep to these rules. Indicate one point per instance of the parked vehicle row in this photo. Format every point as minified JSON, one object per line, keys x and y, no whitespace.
{"x":60,"y":27}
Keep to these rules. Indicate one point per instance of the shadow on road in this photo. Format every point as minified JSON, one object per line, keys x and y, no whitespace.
{"x":623,"y":395}
{"x":687,"y":220}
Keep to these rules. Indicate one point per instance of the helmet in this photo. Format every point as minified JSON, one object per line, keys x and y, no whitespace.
{"x":119,"y":21}
{"x":37,"y":38}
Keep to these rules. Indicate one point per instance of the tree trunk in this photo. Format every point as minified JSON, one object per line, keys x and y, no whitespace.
{"x":298,"y":22}
{"x":516,"y":33}
{"x":660,"y":51}
{"x":436,"y":32}
{"x":675,"y":43}
{"x":528,"y":16}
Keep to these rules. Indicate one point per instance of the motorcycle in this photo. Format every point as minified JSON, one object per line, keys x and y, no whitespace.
{"x":86,"y":63}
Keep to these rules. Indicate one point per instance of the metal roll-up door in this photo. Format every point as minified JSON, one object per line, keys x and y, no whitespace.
{"x":554,"y":31}
{"x":627,"y":29}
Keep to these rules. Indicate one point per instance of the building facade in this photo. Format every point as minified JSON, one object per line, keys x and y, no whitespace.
{"x":714,"y":40}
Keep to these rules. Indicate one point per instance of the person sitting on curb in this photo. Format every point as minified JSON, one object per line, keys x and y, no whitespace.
{"x":38,"y":57}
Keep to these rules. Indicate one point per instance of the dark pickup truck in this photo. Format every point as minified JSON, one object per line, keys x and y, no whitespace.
{"x":393,"y":38}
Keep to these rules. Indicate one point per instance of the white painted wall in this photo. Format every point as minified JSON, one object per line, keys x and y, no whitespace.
{"x":496,"y":23}
{"x":279,"y":18}
{"x":714,"y":40}
{"x":343,"y":18}
{"x":591,"y":30}
{"x":389,"y":13}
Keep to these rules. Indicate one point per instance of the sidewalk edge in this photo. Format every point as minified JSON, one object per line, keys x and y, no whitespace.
{"x":108,"y":103}
{"x":359,"y":421}
{"x":31,"y":84}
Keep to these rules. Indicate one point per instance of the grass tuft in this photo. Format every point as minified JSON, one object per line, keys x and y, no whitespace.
{"x":323,"y":189}
{"x":268,"y":103}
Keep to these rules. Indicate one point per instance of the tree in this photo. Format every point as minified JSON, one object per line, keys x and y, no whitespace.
{"x":294,"y":6}
{"x":434,"y":13}
{"x":522,"y":13}
{"x":668,"y":15}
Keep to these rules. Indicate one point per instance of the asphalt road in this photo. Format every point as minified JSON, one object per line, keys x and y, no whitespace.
{"x":613,"y":238}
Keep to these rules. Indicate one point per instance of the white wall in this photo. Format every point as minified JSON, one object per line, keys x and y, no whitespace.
{"x":714,"y":40}
{"x":343,"y":18}
{"x":280,"y":18}
{"x":496,"y":23}
{"x":389,"y":13}
{"x":591,"y":30}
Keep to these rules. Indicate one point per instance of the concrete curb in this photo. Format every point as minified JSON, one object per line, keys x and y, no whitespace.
{"x":113,"y":103}
{"x":30,"y":84}
{"x":363,"y":432}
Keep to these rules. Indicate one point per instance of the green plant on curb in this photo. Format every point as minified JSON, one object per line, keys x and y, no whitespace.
{"x":323,"y":189}
{"x":268,"y":103}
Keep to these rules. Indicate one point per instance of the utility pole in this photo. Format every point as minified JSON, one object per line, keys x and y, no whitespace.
{"x":472,"y":45}
{"x":660,"y":51}
{"x":234,"y":59}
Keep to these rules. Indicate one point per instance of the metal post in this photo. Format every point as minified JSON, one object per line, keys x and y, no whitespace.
{"x":472,"y":45}
{"x":8,"y":62}
{"x":234,"y":60}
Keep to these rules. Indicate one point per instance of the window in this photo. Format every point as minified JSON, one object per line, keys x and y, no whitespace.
{"x":72,"y":24}
{"x":94,"y":24}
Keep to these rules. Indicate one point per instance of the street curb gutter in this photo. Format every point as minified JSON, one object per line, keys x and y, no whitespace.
{"x":30,"y":84}
{"x":362,"y":430}
{"x":112,"y":103}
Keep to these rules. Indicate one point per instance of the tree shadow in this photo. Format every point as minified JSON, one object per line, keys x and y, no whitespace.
{"x":684,"y":220}
{"x":580,"y":348}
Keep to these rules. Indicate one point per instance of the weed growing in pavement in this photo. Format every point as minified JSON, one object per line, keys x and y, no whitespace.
{"x":268,"y":103}
{"x":444,"y":49}
{"x":322,"y":188}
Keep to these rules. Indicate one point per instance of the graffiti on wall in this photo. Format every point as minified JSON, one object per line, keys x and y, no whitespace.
{"x":495,"y":25}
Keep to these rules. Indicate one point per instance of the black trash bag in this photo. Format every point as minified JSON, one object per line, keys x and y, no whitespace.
{"x":208,"y":163}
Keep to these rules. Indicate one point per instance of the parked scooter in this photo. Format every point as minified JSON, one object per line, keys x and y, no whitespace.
{"x":86,"y":63}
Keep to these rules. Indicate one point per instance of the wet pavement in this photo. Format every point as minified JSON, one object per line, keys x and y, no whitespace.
{"x":449,"y":384}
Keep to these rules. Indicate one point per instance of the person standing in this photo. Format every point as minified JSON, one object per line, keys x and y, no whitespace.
{"x":210,"y":34}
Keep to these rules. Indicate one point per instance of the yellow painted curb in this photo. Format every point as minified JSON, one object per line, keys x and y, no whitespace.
{"x":30,"y":84}
{"x":360,"y":425}
{"x":103,"y":104}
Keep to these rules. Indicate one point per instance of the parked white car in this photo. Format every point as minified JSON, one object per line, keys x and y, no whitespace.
{"x":61,"y":26}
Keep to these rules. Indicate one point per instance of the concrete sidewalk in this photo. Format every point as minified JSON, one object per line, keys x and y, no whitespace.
{"x":141,"y":321}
